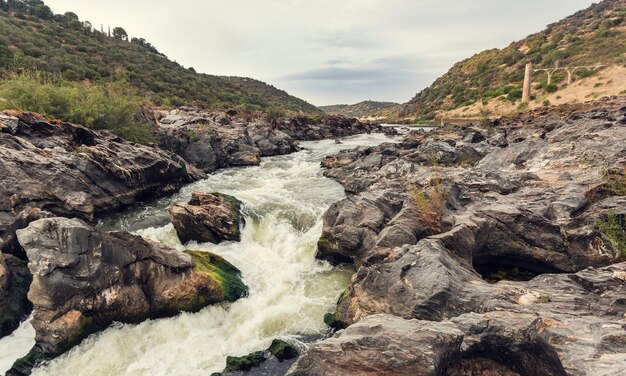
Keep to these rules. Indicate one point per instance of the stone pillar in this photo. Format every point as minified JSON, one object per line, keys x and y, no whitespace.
{"x":527,"y":83}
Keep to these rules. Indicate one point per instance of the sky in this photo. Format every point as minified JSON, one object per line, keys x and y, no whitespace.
{"x":326,"y":51}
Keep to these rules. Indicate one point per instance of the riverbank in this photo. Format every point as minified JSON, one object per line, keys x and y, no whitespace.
{"x":506,"y":243}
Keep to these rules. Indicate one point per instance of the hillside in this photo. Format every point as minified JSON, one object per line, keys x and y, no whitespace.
{"x":596,"y":35}
{"x":362,"y":110}
{"x":33,"y":38}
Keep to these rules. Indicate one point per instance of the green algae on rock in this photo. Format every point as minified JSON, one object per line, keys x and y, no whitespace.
{"x":224,"y":273}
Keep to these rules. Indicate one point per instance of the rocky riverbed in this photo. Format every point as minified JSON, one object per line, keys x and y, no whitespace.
{"x":58,"y":179}
{"x":482,"y":250}
{"x":492,"y":249}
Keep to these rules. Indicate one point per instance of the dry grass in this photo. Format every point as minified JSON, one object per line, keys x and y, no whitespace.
{"x":430,"y":201}
{"x":608,"y":82}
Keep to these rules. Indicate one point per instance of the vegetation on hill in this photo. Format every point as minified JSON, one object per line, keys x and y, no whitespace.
{"x":360,"y":110}
{"x":596,"y":35}
{"x":32,"y":38}
{"x":112,"y":105}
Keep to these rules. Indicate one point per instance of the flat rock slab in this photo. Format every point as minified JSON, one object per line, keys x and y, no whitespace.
{"x":383,"y":345}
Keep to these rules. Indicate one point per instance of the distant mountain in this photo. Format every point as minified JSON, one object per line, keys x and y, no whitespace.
{"x":33,"y":37}
{"x":360,"y":110}
{"x":596,"y":35}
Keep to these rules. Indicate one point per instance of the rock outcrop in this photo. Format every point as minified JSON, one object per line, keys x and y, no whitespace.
{"x":68,"y":170}
{"x":215,"y":140}
{"x":15,"y":279}
{"x":84,"y":280}
{"x":209,"y":217}
{"x":515,"y":225}
{"x":324,"y":127}
{"x":383,"y":345}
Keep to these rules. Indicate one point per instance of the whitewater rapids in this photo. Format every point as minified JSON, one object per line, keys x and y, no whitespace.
{"x":290,"y":291}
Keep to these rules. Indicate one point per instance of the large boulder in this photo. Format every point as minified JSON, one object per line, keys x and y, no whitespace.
{"x":209,"y":217}
{"x":84,"y":280}
{"x":383,"y":345}
{"x":69,"y":170}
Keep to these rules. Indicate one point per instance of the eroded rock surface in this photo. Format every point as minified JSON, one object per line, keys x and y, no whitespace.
{"x":383,"y":345}
{"x":209,"y":217}
{"x":69,"y":170}
{"x":15,"y":279}
{"x":83,"y":280}
{"x":215,"y":140}
{"x":517,"y":222}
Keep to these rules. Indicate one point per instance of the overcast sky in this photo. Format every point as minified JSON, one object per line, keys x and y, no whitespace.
{"x":326,"y":51}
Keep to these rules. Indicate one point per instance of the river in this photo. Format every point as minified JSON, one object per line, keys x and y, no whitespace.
{"x":290,"y":291}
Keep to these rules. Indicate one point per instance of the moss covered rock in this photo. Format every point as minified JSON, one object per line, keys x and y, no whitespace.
{"x":278,"y":352}
{"x":245,"y":363}
{"x":85,"y":279}
{"x":333,"y":319}
{"x":225,"y":274}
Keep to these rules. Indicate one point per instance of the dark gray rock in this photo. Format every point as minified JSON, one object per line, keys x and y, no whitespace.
{"x":383,"y":345}
{"x":69,"y":170}
{"x":209,"y":217}
{"x":15,"y":279}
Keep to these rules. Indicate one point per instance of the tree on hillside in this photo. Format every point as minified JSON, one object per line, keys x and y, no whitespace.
{"x":120,"y":33}
{"x":40,"y":10}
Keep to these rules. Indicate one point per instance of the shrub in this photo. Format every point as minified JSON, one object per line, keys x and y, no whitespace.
{"x":274,"y":114}
{"x":614,"y":227}
{"x":430,"y":201}
{"x":111,"y":105}
{"x":514,"y":95}
{"x":552,"y":88}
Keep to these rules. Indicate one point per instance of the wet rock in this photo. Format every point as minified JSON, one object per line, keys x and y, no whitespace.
{"x":69,"y":170}
{"x":383,"y":345}
{"x":209,"y":217}
{"x":279,"y":356}
{"x":15,"y":279}
{"x":84,"y":280}
{"x":351,"y":226}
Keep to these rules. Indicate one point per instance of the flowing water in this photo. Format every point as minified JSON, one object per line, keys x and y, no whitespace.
{"x":290,"y":291}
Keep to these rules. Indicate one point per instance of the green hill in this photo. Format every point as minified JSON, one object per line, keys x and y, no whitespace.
{"x":360,"y":110}
{"x":596,"y":35}
{"x":33,"y":38}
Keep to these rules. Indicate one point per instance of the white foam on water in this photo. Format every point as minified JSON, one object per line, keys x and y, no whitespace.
{"x":16,"y":345}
